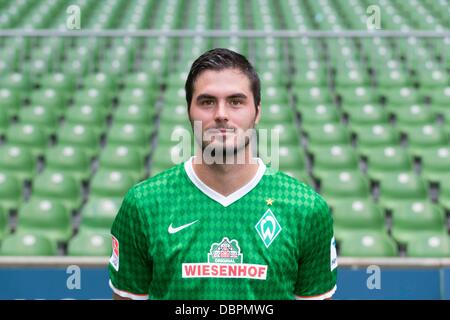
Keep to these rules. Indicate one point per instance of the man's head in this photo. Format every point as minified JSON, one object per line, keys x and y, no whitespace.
{"x":219,"y":59}
{"x":223,"y":94}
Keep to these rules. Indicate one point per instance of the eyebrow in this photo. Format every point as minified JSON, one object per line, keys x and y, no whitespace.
{"x":237,"y":96}
{"x":206,"y":96}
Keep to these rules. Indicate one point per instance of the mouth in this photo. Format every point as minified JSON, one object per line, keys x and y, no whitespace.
{"x":226,"y":130}
{"x":221,"y":130}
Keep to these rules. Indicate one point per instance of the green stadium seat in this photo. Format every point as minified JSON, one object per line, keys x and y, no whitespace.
{"x":124,"y":159}
{"x":94,"y":97}
{"x":37,"y":66}
{"x":439,"y":96}
{"x":175,"y":96}
{"x":136,"y":114}
{"x":98,"y":214}
{"x":399,"y":96}
{"x":173,"y":115}
{"x":10,"y":102}
{"x":355,"y":216}
{"x":356,"y":95}
{"x":272,"y":78}
{"x":27,"y":245}
{"x":10,"y":191}
{"x":275,"y":113}
{"x":409,"y":219}
{"x":274,"y":95}
{"x":432,"y":78}
{"x":375,"y":136}
{"x":57,"y":186}
{"x":166,"y":156}
{"x":47,"y":218}
{"x":76,"y":65}
{"x":88,"y":116}
{"x":79,"y":136}
{"x":59,"y":81}
{"x":328,"y":134}
{"x":115,"y":65}
{"x":41,"y":117}
{"x":309,"y":78}
{"x":368,"y":244}
{"x":365,"y":115}
{"x":19,"y":82}
{"x":315,"y":115}
{"x":333,"y":158}
{"x":348,"y":80}
{"x":344,"y":185}
{"x":287,"y":157}
{"x":73,"y":161}
{"x":90,"y":244}
{"x":137,"y":96}
{"x":434,"y":163}
{"x":17,"y":161}
{"x":313,"y":95}
{"x":130,"y":135}
{"x":392,"y":78}
{"x":286,"y":133}
{"x":110,"y":184}
{"x":101,"y":81}
{"x":29,"y":137}
{"x":429,"y":245}
{"x":49,"y":98}
{"x":387,"y":161}
{"x":422,"y":139}
{"x":413,"y":116}
{"x":144,"y":80}
{"x":402,"y":187}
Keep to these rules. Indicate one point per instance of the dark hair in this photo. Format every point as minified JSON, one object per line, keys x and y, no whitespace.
{"x":219,"y":59}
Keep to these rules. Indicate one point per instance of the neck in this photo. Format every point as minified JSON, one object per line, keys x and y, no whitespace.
{"x":226,"y":178}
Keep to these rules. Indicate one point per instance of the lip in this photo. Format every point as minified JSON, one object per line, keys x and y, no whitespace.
{"x":221,"y":130}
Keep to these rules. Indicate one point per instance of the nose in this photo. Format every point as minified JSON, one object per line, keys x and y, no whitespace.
{"x":221,"y":112}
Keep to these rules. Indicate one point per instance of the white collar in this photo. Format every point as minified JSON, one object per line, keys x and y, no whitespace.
{"x":216,"y":196}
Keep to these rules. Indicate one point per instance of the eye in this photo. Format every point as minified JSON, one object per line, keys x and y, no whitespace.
{"x":236,"y":102}
{"x":208,"y":102}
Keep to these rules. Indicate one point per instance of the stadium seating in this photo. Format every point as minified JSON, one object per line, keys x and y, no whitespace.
{"x":46,"y":218}
{"x":368,"y":244}
{"x":429,"y":245}
{"x":59,"y":186}
{"x":364,"y":120}
{"x":354,"y":216}
{"x":18,"y":161}
{"x":412,"y":219}
{"x":27,"y":244}
{"x":90,"y":244}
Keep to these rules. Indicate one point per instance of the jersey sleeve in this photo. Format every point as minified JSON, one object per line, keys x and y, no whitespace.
{"x":316,"y":278}
{"x":130,"y":267}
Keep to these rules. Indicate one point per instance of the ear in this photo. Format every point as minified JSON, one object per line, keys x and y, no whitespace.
{"x":258,"y":114}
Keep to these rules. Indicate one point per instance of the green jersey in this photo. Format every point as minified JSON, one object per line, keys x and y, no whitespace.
{"x":176,"y":238}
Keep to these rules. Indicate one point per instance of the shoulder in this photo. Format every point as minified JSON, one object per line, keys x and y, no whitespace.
{"x":300,"y":193}
{"x":158,"y":184}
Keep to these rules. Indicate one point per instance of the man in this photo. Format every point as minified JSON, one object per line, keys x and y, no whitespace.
{"x":222,"y":230}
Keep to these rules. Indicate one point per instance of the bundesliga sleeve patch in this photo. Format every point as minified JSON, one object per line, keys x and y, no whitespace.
{"x":333,"y":255}
{"x":114,"y":260}
{"x":224,"y":261}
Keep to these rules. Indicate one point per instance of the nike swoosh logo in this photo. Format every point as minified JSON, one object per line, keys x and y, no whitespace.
{"x":173,"y":230}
